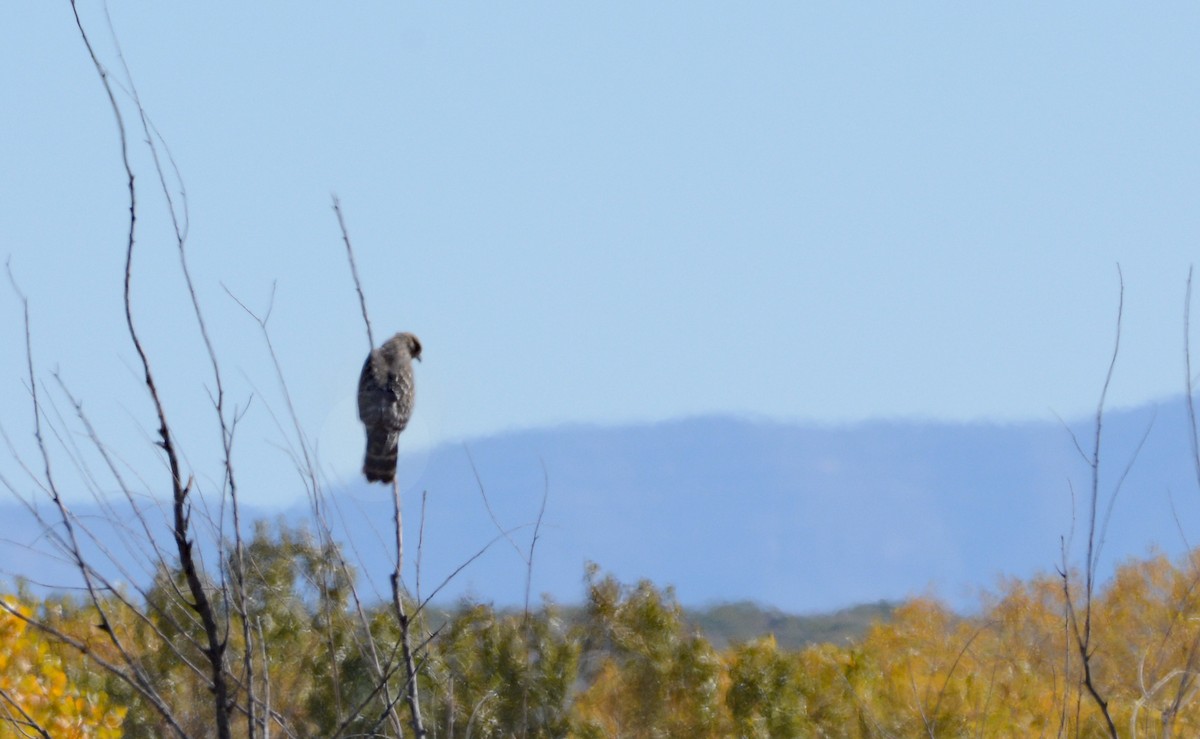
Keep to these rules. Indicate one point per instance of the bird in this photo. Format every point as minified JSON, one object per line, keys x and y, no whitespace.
{"x":385,"y":402}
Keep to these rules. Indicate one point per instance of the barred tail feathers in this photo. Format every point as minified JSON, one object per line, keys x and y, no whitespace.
{"x":380,"y":462}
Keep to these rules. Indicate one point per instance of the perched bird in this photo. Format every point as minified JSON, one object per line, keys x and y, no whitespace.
{"x":385,"y":402}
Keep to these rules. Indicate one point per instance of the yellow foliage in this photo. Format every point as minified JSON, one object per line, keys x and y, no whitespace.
{"x":38,"y":688}
{"x":1012,"y":670}
{"x":636,"y":668}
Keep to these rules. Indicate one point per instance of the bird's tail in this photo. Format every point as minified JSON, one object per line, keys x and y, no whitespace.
{"x":380,"y":463}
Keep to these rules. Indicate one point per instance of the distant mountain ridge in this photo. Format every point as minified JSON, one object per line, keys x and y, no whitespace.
{"x":802,"y":517}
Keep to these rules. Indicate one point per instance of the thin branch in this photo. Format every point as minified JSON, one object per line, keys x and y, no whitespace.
{"x":69,"y":541}
{"x":1095,"y":457}
{"x":304,"y":458}
{"x":487,"y":503}
{"x":215,"y":649}
{"x":937,"y":704}
{"x":421,"y":543}
{"x":27,"y":721}
{"x":1189,"y":388}
{"x":412,"y":695}
{"x":362,"y":300}
{"x":135,"y":679}
{"x":412,"y":692}
{"x":533,"y":540}
{"x":1112,"y":499}
{"x":1095,"y":539}
{"x":462,"y":566}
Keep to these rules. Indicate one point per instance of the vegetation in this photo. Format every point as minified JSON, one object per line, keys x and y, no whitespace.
{"x":271,"y":637}
{"x":43,"y":686}
{"x":630,"y":664}
{"x":725,"y":624}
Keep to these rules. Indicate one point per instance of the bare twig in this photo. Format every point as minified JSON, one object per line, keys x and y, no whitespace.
{"x":462,"y":566}
{"x":266,"y":680}
{"x":362,"y":300}
{"x":1186,"y":685}
{"x":421,"y":543}
{"x":1189,"y":388}
{"x":1082,"y":633}
{"x":68,"y":542}
{"x":487,"y":504}
{"x":26,"y":723}
{"x":134,"y":678}
{"x":200,"y":602}
{"x":533,"y":539}
{"x":412,"y":693}
{"x":305,"y":460}
{"x":937,"y":704}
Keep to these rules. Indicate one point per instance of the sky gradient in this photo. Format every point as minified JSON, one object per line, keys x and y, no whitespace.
{"x":607,"y":213}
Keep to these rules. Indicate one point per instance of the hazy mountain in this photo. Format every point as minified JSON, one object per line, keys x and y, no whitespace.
{"x":802,"y":517}
{"x":798,"y":516}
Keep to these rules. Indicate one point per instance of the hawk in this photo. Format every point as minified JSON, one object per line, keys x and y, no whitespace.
{"x":385,"y":402}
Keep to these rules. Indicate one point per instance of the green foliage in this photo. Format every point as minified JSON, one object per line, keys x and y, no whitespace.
{"x":650,"y":677}
{"x":296,"y":598}
{"x":766,"y":697}
{"x":503,"y":676}
{"x":628,"y":663}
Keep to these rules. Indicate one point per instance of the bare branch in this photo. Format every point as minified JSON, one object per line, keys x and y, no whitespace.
{"x":1082,"y":633}
{"x":200,"y":603}
{"x":362,"y":300}
{"x":533,"y":540}
{"x":488,"y":505}
{"x":410,"y":669}
{"x":26,"y":722}
{"x":135,"y":678}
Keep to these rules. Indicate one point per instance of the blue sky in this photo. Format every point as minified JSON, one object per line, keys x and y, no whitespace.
{"x":608,"y":212}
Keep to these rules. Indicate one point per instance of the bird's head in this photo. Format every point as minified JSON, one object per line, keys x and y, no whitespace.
{"x":406,"y":343}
